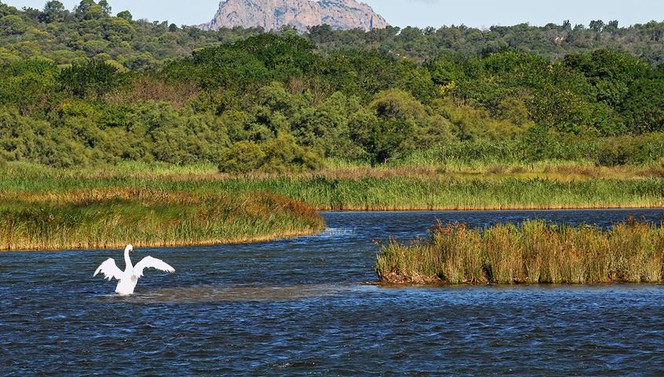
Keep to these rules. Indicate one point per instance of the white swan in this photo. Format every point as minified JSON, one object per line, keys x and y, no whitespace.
{"x":128,"y":278}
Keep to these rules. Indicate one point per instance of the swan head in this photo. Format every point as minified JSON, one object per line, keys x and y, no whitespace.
{"x":129,"y":249}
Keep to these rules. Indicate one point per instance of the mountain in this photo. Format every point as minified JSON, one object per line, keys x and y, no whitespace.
{"x":273,"y":14}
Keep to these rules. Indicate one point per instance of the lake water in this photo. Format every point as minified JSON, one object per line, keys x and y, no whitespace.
{"x":300,"y":307}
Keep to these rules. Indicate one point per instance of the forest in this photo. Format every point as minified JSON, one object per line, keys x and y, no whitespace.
{"x":86,"y":88}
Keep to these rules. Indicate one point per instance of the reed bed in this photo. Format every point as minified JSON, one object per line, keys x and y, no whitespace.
{"x":533,"y":252}
{"x":44,"y":208}
{"x":440,"y":192}
{"x":108,"y":219}
{"x":363,"y":189}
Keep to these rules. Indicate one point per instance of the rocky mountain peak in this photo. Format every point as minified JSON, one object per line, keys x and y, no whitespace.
{"x":273,"y":14}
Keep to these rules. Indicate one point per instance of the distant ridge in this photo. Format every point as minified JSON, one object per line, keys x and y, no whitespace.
{"x":300,"y":14}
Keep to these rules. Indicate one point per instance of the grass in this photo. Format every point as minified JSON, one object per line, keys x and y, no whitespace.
{"x":155,"y":205}
{"x":534,"y":253}
{"x":101,"y":218}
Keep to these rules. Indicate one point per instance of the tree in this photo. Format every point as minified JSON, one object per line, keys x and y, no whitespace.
{"x":612,"y":26}
{"x":126,"y":15}
{"x":105,"y":8}
{"x":30,"y":86}
{"x":241,"y":157}
{"x":325,"y":128}
{"x":596,"y":25}
{"x":83,"y":7}
{"x":89,"y":10}
{"x":92,"y":78}
{"x":6,"y":10}
{"x":54,"y":11}
{"x":644,"y":106}
{"x":389,"y":128}
{"x":320,"y":34}
{"x":282,"y":155}
{"x":12,"y":25}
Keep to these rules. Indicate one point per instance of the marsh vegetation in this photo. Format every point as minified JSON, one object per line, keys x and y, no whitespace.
{"x":533,"y":252}
{"x":61,"y":213}
{"x":48,"y":208}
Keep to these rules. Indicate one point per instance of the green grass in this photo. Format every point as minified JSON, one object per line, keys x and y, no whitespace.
{"x":105,"y":218}
{"x":534,"y":252}
{"x":50,"y":208}
{"x":364,"y":189}
{"x":440,"y":192}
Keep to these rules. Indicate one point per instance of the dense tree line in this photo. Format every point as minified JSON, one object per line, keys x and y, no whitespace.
{"x":92,"y":30}
{"x":282,"y":102}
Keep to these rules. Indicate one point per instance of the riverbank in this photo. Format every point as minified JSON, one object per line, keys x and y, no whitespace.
{"x":43,"y":208}
{"x":531,"y":253}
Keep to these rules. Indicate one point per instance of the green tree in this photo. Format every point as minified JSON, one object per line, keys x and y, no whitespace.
{"x":610,"y":72}
{"x":105,"y":8}
{"x":125,"y":15}
{"x":644,"y":105}
{"x":241,"y":157}
{"x":29,"y":85}
{"x":388,"y":129}
{"x":93,"y":78}
{"x":87,"y":9}
{"x":12,"y":25}
{"x":54,"y":11}
{"x":282,"y":155}
{"x":597,"y":26}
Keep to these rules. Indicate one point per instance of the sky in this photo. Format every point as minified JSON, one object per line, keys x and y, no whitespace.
{"x":420,"y":13}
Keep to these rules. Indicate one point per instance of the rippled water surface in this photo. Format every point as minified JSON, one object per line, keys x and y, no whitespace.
{"x":300,"y":307}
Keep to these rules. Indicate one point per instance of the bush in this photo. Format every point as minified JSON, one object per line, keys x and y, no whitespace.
{"x":629,"y":150}
{"x":241,"y":157}
{"x":279,"y":155}
{"x":284,"y":155}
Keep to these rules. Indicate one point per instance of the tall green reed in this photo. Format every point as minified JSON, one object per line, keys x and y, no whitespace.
{"x":533,"y":252}
{"x":151,"y":218}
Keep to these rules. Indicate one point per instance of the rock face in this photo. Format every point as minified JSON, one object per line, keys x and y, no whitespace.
{"x":273,"y":14}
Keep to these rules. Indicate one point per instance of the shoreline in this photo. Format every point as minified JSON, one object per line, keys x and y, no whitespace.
{"x":496,"y":209}
{"x":144,"y":245}
{"x":439,"y":284}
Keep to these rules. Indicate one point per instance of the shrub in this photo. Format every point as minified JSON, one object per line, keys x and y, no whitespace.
{"x":284,"y":155}
{"x":630,"y":150}
{"x":242,"y":157}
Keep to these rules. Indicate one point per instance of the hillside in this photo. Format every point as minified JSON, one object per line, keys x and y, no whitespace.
{"x":85,"y":88}
{"x":69,"y":36}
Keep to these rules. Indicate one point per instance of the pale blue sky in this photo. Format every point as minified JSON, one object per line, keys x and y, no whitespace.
{"x":421,"y":13}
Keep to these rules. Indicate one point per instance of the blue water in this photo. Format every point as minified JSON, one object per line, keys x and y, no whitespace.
{"x":300,"y":307}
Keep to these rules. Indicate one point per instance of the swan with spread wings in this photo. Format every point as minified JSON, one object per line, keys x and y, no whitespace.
{"x":128,"y":278}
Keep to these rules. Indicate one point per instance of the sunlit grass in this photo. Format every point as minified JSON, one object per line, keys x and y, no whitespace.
{"x":111,"y":218}
{"x":533,"y":252}
{"x":365,"y":188}
{"x":51,"y":208}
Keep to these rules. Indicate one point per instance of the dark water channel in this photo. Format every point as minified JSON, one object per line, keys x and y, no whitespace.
{"x":299,"y":307}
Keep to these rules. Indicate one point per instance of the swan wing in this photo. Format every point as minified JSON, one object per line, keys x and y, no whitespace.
{"x":109,"y":269}
{"x":150,"y":262}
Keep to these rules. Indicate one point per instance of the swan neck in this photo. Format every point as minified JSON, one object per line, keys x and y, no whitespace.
{"x":127,"y":259}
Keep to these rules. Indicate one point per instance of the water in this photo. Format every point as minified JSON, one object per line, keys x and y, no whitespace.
{"x":300,"y":307}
